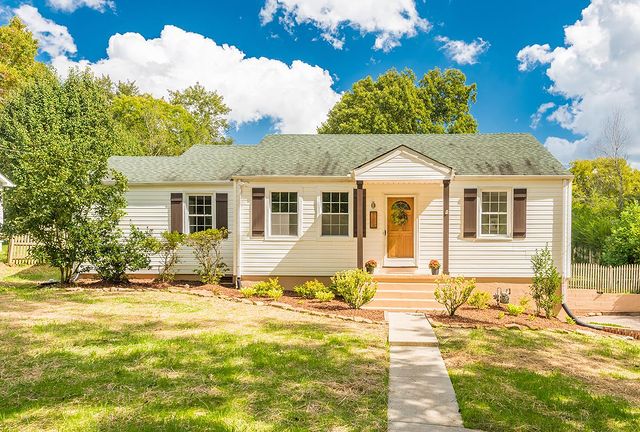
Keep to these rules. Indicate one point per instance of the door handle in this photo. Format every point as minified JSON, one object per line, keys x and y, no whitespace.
{"x":385,"y":233}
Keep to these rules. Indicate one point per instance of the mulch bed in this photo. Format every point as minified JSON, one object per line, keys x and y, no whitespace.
{"x":489,"y":318}
{"x":334,"y":307}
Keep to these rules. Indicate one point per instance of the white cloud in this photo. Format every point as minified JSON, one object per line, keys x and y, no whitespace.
{"x":463,"y":52}
{"x":537,"y":116}
{"x":389,"y":20}
{"x":566,"y":150}
{"x":596,"y":71}
{"x":72,"y":5}
{"x":54,"y":39}
{"x":297,"y":96}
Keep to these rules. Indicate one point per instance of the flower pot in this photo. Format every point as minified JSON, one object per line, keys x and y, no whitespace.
{"x":434,"y":271}
{"x":370,"y":270}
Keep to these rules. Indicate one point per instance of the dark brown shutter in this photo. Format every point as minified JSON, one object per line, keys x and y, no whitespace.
{"x":176,"y":212}
{"x":364,"y":213}
{"x":222,"y":210}
{"x":470,"y":213}
{"x":519,"y":213}
{"x":257,"y":212}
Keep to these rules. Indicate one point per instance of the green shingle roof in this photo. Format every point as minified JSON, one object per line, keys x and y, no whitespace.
{"x":338,"y":155}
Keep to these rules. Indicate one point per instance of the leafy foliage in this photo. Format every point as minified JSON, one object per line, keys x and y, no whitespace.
{"x":310,"y":288}
{"x":480,"y":300}
{"x":324,"y":296}
{"x":207,"y":248}
{"x":167,"y":248}
{"x":248,"y":291}
{"x":623,"y":246}
{"x":270,"y":288}
{"x":546,"y":282}
{"x":55,"y":138}
{"x":355,"y":286}
{"x":453,"y":292}
{"x":18,"y":66}
{"x":396,"y":103}
{"x":114,"y":255}
{"x":515,"y":310}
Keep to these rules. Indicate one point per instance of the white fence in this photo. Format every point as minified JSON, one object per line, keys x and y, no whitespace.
{"x":620,"y":279}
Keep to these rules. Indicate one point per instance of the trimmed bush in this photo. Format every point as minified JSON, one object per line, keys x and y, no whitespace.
{"x":514,"y":310}
{"x":324,"y":296}
{"x":480,"y":300}
{"x":453,"y":292}
{"x":355,"y":286}
{"x":207,"y":248}
{"x":248,"y":291}
{"x":310,"y":288}
{"x":270,"y":289}
{"x":167,"y":248}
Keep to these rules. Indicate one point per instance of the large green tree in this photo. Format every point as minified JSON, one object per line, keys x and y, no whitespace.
{"x":18,"y":50}
{"x":55,"y":138}
{"x":600,"y":187}
{"x":398,"y":103}
{"x":623,"y":245}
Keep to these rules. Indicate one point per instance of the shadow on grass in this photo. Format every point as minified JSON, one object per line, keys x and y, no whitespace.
{"x":536,"y":402}
{"x":285,"y":376}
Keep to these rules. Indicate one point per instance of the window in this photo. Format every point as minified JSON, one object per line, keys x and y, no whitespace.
{"x":335,"y":213}
{"x":494,"y":219}
{"x":284,"y":213}
{"x":200,"y":213}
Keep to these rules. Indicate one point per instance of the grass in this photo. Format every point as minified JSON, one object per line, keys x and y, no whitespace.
{"x":154,"y":361}
{"x":607,"y":324}
{"x":509,"y":380}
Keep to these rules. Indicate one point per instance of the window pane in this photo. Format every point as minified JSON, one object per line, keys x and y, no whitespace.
{"x":200,"y":211}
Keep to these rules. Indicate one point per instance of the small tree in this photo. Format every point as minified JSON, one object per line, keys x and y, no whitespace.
{"x":546,"y":282}
{"x":355,"y":286}
{"x":115,"y":255}
{"x":453,"y":292}
{"x":167,"y":248}
{"x":623,"y":245}
{"x":207,"y":250}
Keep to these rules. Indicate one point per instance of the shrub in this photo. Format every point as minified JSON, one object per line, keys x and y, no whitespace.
{"x":324,"y":296}
{"x":248,"y":291}
{"x":570,"y":320}
{"x":114,"y":255}
{"x":355,"y":286}
{"x":514,"y":310}
{"x":480,"y":300}
{"x":207,"y":250}
{"x":524,"y":302}
{"x":501,"y":315}
{"x":453,"y":292}
{"x":546,"y":282}
{"x":270,"y":289}
{"x":310,"y":288}
{"x":167,"y":248}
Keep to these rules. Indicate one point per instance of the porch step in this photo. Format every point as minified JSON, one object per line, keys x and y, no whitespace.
{"x":405,"y":278}
{"x":407,"y":287}
{"x":396,"y":304}
{"x":404,"y":294}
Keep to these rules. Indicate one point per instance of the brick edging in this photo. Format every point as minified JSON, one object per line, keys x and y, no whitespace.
{"x":623,"y":331}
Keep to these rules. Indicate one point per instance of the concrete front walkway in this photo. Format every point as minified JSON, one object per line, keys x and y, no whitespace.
{"x":421,"y":397}
{"x":626,"y":321}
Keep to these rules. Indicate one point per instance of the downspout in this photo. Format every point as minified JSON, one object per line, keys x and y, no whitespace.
{"x":566,"y":253}
{"x":237,"y":235}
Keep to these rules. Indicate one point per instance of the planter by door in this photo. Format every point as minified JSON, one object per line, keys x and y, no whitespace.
{"x":400,"y":239}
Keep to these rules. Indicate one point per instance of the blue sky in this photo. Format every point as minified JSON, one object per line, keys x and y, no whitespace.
{"x":507,"y":96}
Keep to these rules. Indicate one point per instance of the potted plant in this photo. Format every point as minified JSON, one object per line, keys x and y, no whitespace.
{"x":434,"y":265}
{"x":370,"y":265}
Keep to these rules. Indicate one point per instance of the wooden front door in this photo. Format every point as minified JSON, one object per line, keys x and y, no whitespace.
{"x":400,"y":239}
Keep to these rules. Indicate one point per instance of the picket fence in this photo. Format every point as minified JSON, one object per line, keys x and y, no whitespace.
{"x":18,"y":252}
{"x":619,"y":279}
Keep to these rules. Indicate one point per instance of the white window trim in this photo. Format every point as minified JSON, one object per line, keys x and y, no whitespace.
{"x":186,"y":228}
{"x":319,"y":214}
{"x":509,"y":234}
{"x":267,"y":203}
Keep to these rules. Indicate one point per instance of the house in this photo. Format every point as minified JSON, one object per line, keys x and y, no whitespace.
{"x":306,"y":206}
{"x":4,"y":183}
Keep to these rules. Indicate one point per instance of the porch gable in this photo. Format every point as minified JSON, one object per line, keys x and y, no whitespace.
{"x":403,"y":164}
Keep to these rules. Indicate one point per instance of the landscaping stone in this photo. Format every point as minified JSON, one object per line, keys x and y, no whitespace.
{"x":514,"y":326}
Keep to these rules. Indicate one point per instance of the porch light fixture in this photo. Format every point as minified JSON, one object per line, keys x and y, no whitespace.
{"x":373,"y":205}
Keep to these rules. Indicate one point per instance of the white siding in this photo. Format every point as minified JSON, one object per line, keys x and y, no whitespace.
{"x":310,"y":254}
{"x":148,"y":207}
{"x":507,"y":257}
{"x":401,"y":165}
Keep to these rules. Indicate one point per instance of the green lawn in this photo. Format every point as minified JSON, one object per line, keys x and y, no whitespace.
{"x":508,"y":380}
{"x":152,"y":361}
